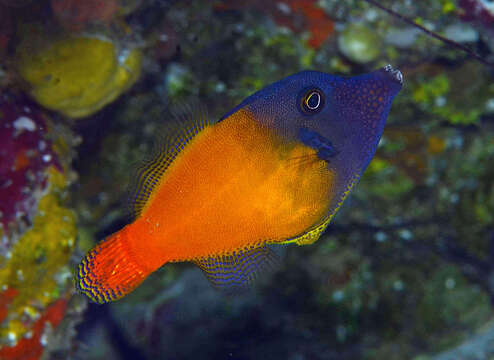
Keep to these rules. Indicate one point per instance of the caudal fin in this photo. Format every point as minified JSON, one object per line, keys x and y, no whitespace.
{"x":107,"y":272}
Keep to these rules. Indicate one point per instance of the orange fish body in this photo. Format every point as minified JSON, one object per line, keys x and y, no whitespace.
{"x":243,"y":203}
{"x":217,"y":196}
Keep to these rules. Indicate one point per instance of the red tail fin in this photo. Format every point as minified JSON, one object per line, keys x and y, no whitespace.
{"x":107,"y":272}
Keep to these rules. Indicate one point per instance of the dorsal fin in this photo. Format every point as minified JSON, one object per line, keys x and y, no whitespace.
{"x":236,"y":272}
{"x":187,"y":122}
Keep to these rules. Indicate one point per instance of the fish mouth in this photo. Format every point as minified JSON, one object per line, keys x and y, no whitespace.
{"x":393,"y":74}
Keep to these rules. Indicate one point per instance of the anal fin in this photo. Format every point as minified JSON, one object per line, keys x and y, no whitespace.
{"x":237,"y":271}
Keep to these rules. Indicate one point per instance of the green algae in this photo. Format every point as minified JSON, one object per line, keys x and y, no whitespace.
{"x":456,"y":96}
{"x":386,"y":181}
{"x":359,"y":43}
{"x":450,"y":302}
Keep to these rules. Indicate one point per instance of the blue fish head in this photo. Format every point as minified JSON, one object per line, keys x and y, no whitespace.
{"x":341,"y":117}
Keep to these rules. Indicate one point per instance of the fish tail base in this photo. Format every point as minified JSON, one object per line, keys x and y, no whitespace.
{"x":108,"y":272}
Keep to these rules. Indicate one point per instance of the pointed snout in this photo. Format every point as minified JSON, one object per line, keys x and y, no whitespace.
{"x":390,"y":77}
{"x":393,"y":74}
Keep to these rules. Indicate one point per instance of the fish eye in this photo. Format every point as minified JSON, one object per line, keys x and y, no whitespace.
{"x":312,"y":101}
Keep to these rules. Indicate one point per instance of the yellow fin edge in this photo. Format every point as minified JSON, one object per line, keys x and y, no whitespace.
{"x":312,"y":235}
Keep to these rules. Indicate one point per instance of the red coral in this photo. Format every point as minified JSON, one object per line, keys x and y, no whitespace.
{"x":476,"y":10}
{"x":6,"y":298}
{"x":76,"y":14}
{"x":25,"y":153}
{"x":298,"y":15}
{"x":32,"y":348}
{"x":317,"y":22}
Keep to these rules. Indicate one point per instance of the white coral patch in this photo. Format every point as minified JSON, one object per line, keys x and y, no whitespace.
{"x":24,"y":123}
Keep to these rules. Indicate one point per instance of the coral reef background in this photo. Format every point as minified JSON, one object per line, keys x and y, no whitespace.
{"x":404,"y":272}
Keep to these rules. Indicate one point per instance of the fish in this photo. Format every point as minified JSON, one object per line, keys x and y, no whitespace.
{"x":274,"y":170}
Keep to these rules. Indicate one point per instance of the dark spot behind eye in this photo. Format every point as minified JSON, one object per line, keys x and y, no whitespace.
{"x":324,"y":147}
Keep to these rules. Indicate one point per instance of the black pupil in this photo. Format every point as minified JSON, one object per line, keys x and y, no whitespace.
{"x":313,"y":101}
